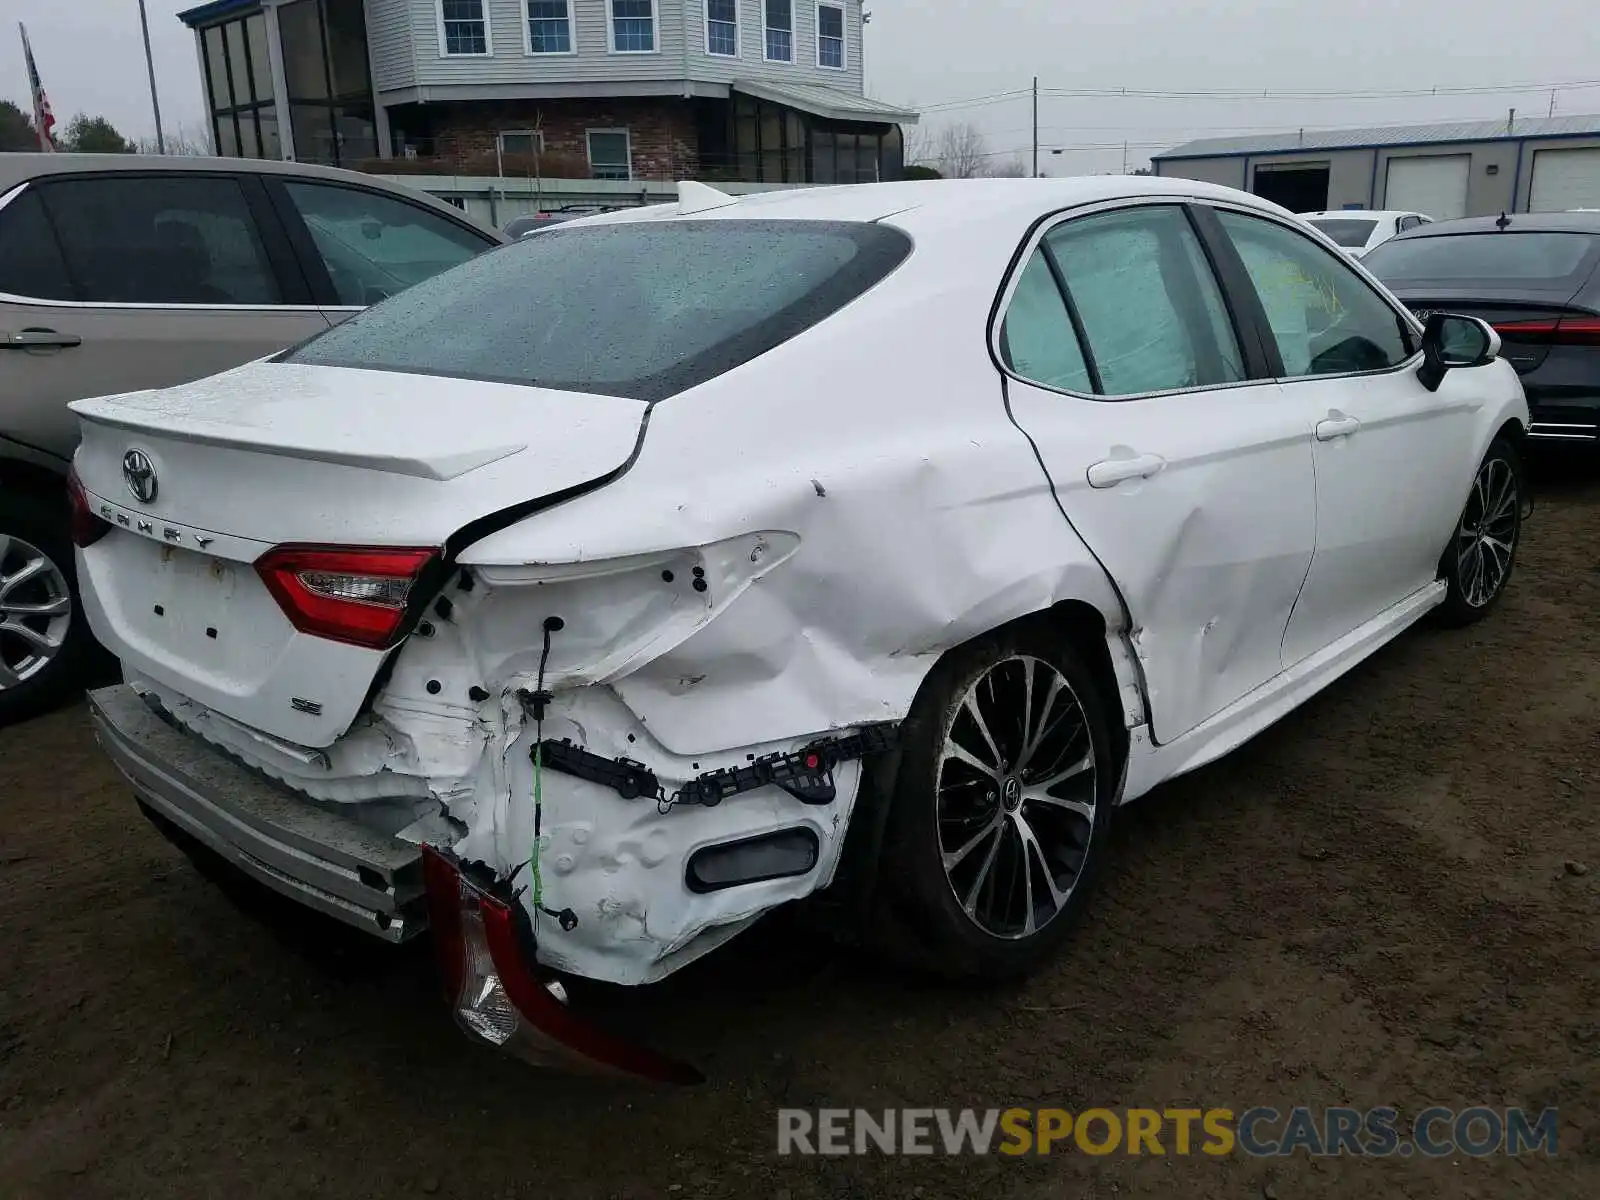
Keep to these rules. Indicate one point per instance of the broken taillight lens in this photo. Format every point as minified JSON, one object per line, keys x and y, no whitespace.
{"x":85,"y":527}
{"x":356,"y":595}
{"x":496,"y":996}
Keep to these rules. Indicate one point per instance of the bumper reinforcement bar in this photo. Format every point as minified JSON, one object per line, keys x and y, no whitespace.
{"x":806,"y":774}
{"x":318,"y":857}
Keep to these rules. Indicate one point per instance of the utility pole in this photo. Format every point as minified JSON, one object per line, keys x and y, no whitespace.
{"x":1036,"y":127}
{"x":1552,"y":102}
{"x":150,"y":66}
{"x":1124,"y":158}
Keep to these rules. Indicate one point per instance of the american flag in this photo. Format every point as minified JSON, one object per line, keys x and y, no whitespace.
{"x":43,"y":119}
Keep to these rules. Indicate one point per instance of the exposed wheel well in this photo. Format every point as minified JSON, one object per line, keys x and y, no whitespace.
{"x":1085,"y":626}
{"x":853,"y":891}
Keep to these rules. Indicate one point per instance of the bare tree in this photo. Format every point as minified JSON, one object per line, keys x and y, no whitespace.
{"x":1011,"y":168}
{"x":185,"y":140}
{"x":962,"y":152}
{"x":921,"y":149}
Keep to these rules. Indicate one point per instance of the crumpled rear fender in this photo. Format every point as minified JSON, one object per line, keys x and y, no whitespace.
{"x":894,"y":564}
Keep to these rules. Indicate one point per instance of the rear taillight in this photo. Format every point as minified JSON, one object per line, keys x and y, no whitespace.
{"x":356,"y":595}
{"x":1553,"y":331}
{"x":86,"y":528}
{"x":496,"y":996}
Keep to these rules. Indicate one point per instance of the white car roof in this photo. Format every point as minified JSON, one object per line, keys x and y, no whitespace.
{"x":934,"y":202}
{"x":1361,"y":213}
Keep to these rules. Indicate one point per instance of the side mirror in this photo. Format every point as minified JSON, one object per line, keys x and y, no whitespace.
{"x":1450,"y":341}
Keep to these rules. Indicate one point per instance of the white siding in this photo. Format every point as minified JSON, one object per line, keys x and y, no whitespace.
{"x":752,"y":64}
{"x":389,"y":43}
{"x":680,"y":41}
{"x":510,"y":63}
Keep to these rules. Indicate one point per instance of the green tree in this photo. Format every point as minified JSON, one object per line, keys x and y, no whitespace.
{"x":95,"y":135}
{"x":16,"y":129}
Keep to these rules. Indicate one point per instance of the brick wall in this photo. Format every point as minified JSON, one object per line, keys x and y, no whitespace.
{"x":661,"y":133}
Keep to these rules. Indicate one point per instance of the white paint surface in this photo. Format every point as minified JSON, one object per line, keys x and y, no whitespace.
{"x":859,"y":500}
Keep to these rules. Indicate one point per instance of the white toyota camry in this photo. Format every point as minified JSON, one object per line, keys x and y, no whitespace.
{"x":589,"y":600}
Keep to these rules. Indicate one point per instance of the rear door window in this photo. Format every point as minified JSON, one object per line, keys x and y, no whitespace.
{"x":375,"y":245}
{"x":1151,"y":310}
{"x":1037,"y":338}
{"x":31,"y":265}
{"x":638,"y":309}
{"x":180,"y":239}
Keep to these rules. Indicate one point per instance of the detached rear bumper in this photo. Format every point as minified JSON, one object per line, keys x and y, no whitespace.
{"x":322,"y":859}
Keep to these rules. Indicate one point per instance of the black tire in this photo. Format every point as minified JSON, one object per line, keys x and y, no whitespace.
{"x":923,"y":922}
{"x":1475,"y":572}
{"x":31,"y":522}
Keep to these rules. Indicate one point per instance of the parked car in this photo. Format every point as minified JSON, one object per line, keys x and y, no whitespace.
{"x":521,"y":227}
{"x":1359,"y":230}
{"x":877,"y":539}
{"x":1536,"y":278}
{"x":128,"y":271}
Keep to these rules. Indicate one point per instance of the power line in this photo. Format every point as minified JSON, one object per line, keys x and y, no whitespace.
{"x":1343,"y":94}
{"x":974,"y":102}
{"x":1259,"y":94}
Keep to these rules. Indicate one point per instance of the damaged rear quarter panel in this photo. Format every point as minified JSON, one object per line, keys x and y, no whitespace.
{"x":857,"y":501}
{"x":880,"y":439}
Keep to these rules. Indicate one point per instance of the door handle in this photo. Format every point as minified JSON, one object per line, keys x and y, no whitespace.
{"x":28,"y":339}
{"x":1119,"y":470}
{"x":1336,"y":427}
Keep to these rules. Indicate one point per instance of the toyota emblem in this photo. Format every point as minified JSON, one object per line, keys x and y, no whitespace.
{"x":139,"y":473}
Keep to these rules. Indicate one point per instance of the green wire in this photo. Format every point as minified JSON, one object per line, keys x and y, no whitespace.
{"x":538,"y":807}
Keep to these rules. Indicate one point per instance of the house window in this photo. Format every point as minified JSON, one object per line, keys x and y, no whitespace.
{"x":609,"y":154}
{"x":722,"y":27}
{"x":549,"y":27}
{"x":830,"y":36}
{"x":633,"y":29}
{"x":780,"y":30}
{"x":464,"y":26}
{"x":519,"y":150}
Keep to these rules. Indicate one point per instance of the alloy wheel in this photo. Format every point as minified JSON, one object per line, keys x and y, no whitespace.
{"x":35,"y":611}
{"x":1016,"y":797}
{"x":1487,"y":535}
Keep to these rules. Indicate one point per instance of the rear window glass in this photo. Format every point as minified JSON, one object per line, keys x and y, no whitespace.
{"x":1347,"y":232}
{"x":1533,"y":258}
{"x":643,"y":310}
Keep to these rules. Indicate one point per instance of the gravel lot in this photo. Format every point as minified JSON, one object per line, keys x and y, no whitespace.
{"x":1370,"y":904}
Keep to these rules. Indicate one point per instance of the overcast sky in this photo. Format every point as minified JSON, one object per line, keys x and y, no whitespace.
{"x":933,"y":52}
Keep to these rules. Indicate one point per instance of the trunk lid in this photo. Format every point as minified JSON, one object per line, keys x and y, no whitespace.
{"x":280,"y":453}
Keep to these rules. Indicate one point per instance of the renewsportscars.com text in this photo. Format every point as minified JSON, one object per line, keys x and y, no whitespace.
{"x":1258,"y":1132}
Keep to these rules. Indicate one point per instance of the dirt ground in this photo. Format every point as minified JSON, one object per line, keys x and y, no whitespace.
{"x":1369,"y":904}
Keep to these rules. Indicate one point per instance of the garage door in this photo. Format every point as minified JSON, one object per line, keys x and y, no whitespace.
{"x":1435,"y":185}
{"x":1564,"y":179}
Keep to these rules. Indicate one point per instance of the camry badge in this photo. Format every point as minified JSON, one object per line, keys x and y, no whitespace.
{"x":139,"y":473}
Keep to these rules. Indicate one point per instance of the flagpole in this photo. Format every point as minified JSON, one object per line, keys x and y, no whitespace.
{"x":150,"y":66}
{"x":42,"y":119}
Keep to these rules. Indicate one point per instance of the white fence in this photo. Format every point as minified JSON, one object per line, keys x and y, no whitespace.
{"x":494,"y":200}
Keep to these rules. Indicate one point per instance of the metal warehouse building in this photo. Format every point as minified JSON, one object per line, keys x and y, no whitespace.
{"x":1465,"y":169}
